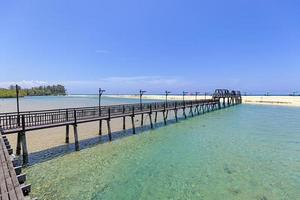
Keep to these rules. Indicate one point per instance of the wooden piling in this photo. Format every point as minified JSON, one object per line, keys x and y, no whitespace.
{"x":18,"y":148}
{"x":164,"y":115}
{"x":150,"y":116}
{"x":191,"y":111}
{"x":175,"y":112}
{"x":75,"y":132}
{"x":67,"y":133}
{"x":109,"y":129}
{"x":108,"y":125}
{"x":132,"y":120}
{"x":67,"y":128}
{"x":184,"y":114}
{"x":100,"y":127}
{"x":124,"y":125}
{"x":24,"y":142}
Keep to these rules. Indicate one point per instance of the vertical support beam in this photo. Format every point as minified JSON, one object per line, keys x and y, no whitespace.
{"x":175,"y":112}
{"x":219,"y":103}
{"x":184,"y":114}
{"x":124,"y":125}
{"x":132,"y":120}
{"x":67,"y":128}
{"x":100,"y":127}
{"x":108,"y":125}
{"x":150,"y":116}
{"x":75,"y":132}
{"x":100,"y":112}
{"x":191,"y":111}
{"x":155,"y":120}
{"x":108,"y":129}
{"x":67,"y":134}
{"x":164,"y":116}
{"x":142,"y":117}
{"x":24,"y":143}
{"x":18,"y":148}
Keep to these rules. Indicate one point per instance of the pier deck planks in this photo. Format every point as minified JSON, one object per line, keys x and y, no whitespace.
{"x":9,"y":185}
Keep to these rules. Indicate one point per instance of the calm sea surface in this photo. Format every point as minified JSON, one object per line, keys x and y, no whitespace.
{"x":243,"y":152}
{"x":53,"y":102}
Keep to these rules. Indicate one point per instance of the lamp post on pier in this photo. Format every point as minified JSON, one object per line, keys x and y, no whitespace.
{"x":141,"y":95}
{"x":100,"y":122}
{"x":18,"y":148}
{"x":18,"y":104}
{"x":100,"y":95}
{"x":141,"y":106}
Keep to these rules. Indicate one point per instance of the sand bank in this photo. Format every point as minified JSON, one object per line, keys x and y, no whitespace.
{"x":273,"y":100}
{"x":265,"y":100}
{"x":160,"y":97}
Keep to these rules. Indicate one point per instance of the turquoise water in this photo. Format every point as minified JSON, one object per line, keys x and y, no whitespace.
{"x":243,"y":152}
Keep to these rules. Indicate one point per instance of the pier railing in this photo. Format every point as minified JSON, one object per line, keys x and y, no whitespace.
{"x":14,"y":122}
{"x":34,"y":120}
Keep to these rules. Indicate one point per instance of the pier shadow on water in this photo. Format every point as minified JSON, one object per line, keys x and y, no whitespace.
{"x":48,"y":154}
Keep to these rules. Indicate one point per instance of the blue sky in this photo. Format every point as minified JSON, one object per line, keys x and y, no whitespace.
{"x":123,"y":46}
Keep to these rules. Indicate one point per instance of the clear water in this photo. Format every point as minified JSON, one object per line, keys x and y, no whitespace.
{"x":53,"y":102}
{"x":243,"y":152}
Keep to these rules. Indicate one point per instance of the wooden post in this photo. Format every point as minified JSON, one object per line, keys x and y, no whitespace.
{"x":142,"y":115}
{"x":184,"y":114}
{"x":191,"y":111}
{"x":108,"y":125}
{"x":67,"y":127}
{"x":155,"y":120}
{"x":75,"y":132}
{"x":132,"y":120}
{"x":24,"y":143}
{"x":164,"y":115}
{"x":124,"y":125}
{"x":150,"y":116}
{"x":18,"y":148}
{"x":100,"y":127}
{"x":67,"y":133}
{"x":175,"y":112}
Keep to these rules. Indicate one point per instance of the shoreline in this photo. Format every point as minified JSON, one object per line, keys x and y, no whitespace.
{"x":293,"y":101}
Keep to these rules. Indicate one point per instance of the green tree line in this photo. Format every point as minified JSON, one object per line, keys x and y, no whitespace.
{"x":53,"y":90}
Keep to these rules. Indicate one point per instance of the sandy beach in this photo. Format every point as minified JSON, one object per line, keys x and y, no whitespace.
{"x":265,"y":100}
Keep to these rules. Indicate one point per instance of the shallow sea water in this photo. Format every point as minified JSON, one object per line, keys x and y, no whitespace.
{"x":243,"y":152}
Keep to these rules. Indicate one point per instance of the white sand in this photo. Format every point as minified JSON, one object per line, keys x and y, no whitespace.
{"x":266,"y":100}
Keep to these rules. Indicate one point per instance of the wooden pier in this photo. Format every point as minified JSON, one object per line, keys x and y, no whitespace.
{"x":23,"y":122}
{"x":12,"y":182}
